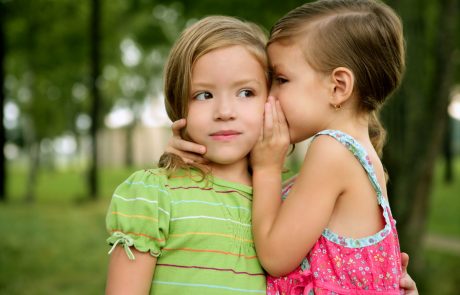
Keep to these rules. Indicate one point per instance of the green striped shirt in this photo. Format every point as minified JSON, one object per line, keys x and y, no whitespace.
{"x":199,"y":230}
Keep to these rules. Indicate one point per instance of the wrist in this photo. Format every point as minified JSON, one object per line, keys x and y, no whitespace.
{"x":267,"y":171}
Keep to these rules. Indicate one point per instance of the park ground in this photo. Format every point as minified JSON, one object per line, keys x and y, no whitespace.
{"x":56,"y":245}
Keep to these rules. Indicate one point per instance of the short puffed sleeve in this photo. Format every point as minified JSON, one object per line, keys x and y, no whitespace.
{"x":139,"y":212}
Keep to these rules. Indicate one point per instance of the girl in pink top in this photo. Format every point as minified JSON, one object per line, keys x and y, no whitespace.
{"x":334,"y":64}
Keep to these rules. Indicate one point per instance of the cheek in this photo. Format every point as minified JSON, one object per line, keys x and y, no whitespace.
{"x":194,"y":125}
{"x":256,"y":121}
{"x":285,"y":106}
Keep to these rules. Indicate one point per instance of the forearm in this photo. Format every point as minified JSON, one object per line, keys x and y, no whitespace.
{"x":266,"y":206}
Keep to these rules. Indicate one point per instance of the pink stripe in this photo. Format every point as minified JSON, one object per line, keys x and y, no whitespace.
{"x":190,"y":187}
{"x":212,"y":268}
{"x":207,"y":189}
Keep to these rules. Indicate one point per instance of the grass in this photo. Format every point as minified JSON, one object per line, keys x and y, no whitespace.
{"x":444,"y":217}
{"x":52,"y":249}
{"x":441,"y":273}
{"x":57,"y":244}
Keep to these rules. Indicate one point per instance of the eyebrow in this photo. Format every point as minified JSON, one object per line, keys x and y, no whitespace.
{"x":237,"y":83}
{"x":246,"y":81}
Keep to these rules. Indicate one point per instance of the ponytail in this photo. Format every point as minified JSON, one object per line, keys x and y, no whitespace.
{"x":377,"y":133}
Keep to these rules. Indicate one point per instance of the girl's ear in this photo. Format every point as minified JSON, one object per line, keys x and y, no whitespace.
{"x":343,"y":82}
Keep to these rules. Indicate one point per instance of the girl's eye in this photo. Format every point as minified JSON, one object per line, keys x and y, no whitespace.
{"x":203,"y":96}
{"x":280,"y":80}
{"x":246,"y":93}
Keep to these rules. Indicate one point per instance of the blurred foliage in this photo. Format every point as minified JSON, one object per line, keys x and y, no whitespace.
{"x":48,"y":78}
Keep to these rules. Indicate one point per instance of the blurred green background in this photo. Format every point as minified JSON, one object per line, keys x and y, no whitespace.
{"x":83,"y":109}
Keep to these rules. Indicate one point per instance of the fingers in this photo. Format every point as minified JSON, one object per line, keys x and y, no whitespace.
{"x":408,"y":284}
{"x":179,"y":144}
{"x":404,"y":262}
{"x":187,"y":157}
{"x":190,"y":152}
{"x":268,"y":121}
{"x":281,"y":118}
{"x":261,"y":134}
{"x":177,"y":126}
{"x":271,"y":100}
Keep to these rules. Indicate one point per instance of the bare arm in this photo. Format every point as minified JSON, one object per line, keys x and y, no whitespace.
{"x":284,"y":234}
{"x":187,"y":150}
{"x":130,"y":276}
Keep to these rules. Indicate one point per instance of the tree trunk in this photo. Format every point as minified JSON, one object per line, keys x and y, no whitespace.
{"x":3,"y":174}
{"x":416,"y":121}
{"x":448,"y":152}
{"x":96,"y":96}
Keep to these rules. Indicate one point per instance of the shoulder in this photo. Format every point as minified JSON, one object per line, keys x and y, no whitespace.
{"x":145,"y":182}
{"x":324,"y":171}
{"x":148,"y":175}
{"x":326,"y":164}
{"x":139,"y":211}
{"x":159,"y":179}
{"x":327,"y":152}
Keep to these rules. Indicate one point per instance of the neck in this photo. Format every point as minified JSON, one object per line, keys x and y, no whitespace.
{"x":357,"y":125}
{"x":235,"y":172}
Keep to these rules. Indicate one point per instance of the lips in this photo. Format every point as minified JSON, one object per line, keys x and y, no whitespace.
{"x":225,"y":134}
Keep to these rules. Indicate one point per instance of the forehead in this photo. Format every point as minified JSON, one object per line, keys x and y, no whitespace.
{"x":231,"y":62}
{"x":280,"y":54}
{"x":229,"y":55}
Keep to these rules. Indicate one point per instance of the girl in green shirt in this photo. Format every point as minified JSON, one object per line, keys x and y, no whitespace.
{"x":183,"y":228}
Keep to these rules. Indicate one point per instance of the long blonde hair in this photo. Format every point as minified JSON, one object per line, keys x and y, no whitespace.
{"x":210,"y":33}
{"x":365,"y":36}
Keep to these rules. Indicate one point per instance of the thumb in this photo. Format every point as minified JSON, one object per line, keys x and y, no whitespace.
{"x":404,"y":262}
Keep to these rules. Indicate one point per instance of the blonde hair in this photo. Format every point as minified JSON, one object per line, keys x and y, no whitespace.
{"x":208,"y":34}
{"x":364,"y":36}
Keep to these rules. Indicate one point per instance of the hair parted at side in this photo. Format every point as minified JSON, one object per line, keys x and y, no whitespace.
{"x":210,"y":33}
{"x":365,"y":36}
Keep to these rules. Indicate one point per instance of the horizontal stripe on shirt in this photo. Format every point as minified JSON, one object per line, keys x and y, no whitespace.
{"x":208,"y":286}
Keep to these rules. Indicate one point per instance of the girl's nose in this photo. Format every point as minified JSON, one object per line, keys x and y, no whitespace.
{"x":224,"y":109}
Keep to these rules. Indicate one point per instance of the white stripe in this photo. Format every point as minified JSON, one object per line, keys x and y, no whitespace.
{"x":211,"y":204}
{"x":148,"y":185}
{"x":143,"y":200}
{"x":163,"y":210}
{"x":135,"y":199}
{"x":210,"y":217}
{"x":208,"y":286}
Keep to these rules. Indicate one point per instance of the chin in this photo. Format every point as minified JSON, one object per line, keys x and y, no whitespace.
{"x":296,"y":138}
{"x":220,"y":159}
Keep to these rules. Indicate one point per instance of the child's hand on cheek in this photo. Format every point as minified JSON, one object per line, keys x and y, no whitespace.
{"x":273,"y":143}
{"x":189,"y":152}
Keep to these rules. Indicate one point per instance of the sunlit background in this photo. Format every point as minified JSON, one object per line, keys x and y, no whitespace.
{"x":83,"y":108}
